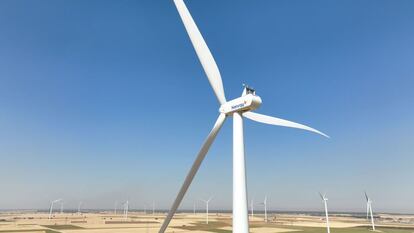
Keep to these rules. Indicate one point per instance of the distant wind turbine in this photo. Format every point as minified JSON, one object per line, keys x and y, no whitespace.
{"x":61,"y":207}
{"x":237,"y":109}
{"x":126,"y":206}
{"x":325,"y":201}
{"x":251,"y":208}
{"x":51,"y":207}
{"x":207,"y":201}
{"x":115,"y":207}
{"x":79,"y":207}
{"x":264,"y":203}
{"x":369,"y":210}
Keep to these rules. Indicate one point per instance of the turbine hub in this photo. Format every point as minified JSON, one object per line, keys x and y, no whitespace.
{"x":247,"y":102}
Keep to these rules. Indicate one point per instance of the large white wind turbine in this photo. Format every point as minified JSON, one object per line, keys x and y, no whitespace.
{"x":325,"y":201}
{"x":236,"y":108}
{"x":264,"y":203}
{"x":207,"y":202}
{"x":369,"y":210}
{"x":51,"y":207}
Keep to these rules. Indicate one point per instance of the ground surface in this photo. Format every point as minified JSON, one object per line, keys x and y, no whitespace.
{"x":218,"y":223}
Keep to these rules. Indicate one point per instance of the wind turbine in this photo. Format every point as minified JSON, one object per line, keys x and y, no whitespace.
{"x":207,"y":201}
{"x":79,"y":207}
{"x":325,"y":201}
{"x":61,"y":207}
{"x":369,"y":210}
{"x":126,"y":206}
{"x":51,"y":207}
{"x":251,"y":208}
{"x":115,"y":207}
{"x":264,"y":203}
{"x":237,"y":108}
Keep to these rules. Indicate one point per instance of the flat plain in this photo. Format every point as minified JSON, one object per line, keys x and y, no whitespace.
{"x":105,"y":222}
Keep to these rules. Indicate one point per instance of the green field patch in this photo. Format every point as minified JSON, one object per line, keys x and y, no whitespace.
{"x":51,"y":231}
{"x":63,"y":227}
{"x":129,"y":222}
{"x":211,"y":227}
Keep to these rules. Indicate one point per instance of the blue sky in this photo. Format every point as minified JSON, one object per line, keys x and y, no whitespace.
{"x":106,"y":100}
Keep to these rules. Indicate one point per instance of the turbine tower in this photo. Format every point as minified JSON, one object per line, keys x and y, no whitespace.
{"x":369,"y":210}
{"x":237,"y":108}
{"x":51,"y":207}
{"x":79,"y":207}
{"x":325,"y":201}
{"x":251,"y":208}
{"x":115,"y":207}
{"x":264,"y":203}
{"x":61,"y":207}
{"x":207,"y":201}
{"x":126,"y":206}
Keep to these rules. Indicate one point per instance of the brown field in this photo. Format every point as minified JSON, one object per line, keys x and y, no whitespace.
{"x":139,"y":222}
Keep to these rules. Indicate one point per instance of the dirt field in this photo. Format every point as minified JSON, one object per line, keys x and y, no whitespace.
{"x":220,"y":223}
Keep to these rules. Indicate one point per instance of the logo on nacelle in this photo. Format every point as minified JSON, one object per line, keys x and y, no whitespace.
{"x":237,"y":106}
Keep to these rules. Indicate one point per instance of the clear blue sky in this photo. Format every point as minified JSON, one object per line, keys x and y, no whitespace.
{"x":106,"y":100}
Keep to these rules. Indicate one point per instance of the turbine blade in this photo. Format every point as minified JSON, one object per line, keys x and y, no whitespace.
{"x":196,"y":165}
{"x":202,"y":50}
{"x":366,"y":196}
{"x":280,"y":122}
{"x":320,"y":194}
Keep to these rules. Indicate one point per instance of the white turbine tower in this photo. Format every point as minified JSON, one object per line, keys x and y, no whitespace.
{"x":325,"y":201}
{"x":51,"y":207}
{"x":126,"y":207}
{"x":264,"y":203}
{"x":207,"y":201}
{"x":369,"y":210}
{"x":79,"y":207}
{"x":252,"y":208}
{"x":61,"y":207}
{"x":115,"y":207}
{"x":236,"y":108}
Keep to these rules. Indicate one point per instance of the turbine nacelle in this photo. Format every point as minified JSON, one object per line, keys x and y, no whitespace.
{"x":247,"y":102}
